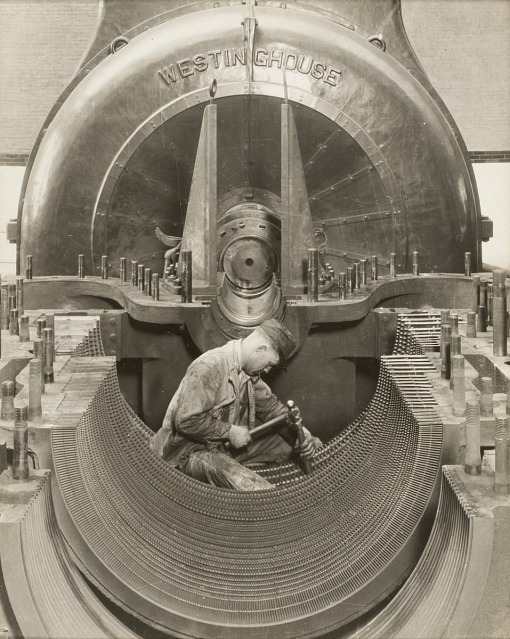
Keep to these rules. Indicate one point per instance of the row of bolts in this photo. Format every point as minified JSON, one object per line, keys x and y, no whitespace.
{"x":40,"y":373}
{"x":356,"y":275}
{"x":348,"y":282}
{"x":475,"y":407}
{"x":41,"y":366}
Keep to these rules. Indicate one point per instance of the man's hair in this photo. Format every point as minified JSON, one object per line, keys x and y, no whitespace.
{"x":282,"y":340}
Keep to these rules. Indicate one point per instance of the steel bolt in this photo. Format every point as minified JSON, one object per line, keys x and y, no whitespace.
{"x":473,"y":463}
{"x":471,"y":324}
{"x":20,"y":444}
{"x":459,"y":386}
{"x":7,"y":410}
{"x":500,"y":315}
{"x":486,"y":397}
{"x":34,"y":390}
{"x":24,"y":329}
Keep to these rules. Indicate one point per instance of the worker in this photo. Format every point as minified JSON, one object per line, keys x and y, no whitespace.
{"x":206,"y":429}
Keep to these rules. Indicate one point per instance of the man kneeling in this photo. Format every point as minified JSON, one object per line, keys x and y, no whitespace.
{"x":206,"y":429}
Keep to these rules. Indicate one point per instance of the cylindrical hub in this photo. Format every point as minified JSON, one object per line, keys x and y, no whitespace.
{"x":24,"y":329}
{"x":445,"y":349}
{"x":393,"y":265}
{"x":416,"y":263}
{"x":186,"y":259}
{"x":20,"y":444}
{"x":342,"y":286}
{"x":49,"y":348}
{"x":34,"y":390}
{"x":7,"y":410}
{"x":123,"y":270}
{"x":14,"y":323}
{"x":20,"y":303}
{"x":502,"y":461}
{"x":500,"y":315}
{"x":486,"y":397}
{"x":312,"y":291}
{"x":147,"y":287}
{"x":459,"y":386}
{"x":134,"y":272}
{"x":374,"y":267}
{"x":141,"y":279}
{"x":473,"y":463}
{"x":471,"y":324}
{"x":28,"y":268}
{"x":104,"y":267}
{"x":467,"y":264}
{"x":155,"y":287}
{"x":39,"y":354}
{"x":81,"y":271}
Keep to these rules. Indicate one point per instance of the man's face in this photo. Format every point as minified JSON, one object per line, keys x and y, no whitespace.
{"x":261,"y":359}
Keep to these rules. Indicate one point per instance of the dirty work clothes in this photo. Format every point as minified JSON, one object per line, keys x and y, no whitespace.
{"x":226,"y":471}
{"x":214,"y":394}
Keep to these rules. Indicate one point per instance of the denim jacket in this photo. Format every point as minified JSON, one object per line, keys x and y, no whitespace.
{"x":214,"y":394}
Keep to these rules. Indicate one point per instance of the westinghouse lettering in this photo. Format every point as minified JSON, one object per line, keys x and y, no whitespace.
{"x":230,"y":57}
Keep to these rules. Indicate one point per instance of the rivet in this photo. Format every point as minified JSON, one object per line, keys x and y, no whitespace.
{"x":113,"y":337}
{"x":113,"y":321}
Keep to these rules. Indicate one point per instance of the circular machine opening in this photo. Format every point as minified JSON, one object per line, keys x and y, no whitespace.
{"x":348,"y":202}
{"x":347,"y":197}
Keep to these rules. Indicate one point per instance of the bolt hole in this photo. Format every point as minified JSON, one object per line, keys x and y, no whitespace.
{"x":248,"y":261}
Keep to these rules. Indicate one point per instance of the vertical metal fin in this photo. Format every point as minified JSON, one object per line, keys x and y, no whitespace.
{"x":297,"y":229}
{"x":199,"y":235}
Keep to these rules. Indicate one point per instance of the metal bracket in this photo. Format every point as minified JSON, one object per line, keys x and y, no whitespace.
{"x":12,"y":231}
{"x":110,"y":326}
{"x":487,"y":228}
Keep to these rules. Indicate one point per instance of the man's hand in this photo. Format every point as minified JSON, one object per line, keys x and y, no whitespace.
{"x":311,"y":443}
{"x":239,"y":436}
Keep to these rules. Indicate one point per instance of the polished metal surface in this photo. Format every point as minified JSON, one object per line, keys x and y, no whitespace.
{"x":357,"y":158}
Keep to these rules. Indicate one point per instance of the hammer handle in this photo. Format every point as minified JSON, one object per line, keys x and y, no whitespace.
{"x":261,"y":430}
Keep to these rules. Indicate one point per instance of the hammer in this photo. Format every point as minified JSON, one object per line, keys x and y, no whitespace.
{"x":295,"y":418}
